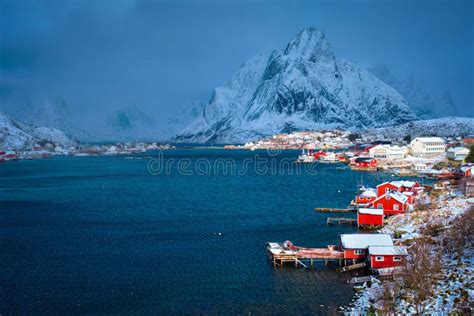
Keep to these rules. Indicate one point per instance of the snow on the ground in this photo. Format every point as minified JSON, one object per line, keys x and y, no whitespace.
{"x":456,"y":277}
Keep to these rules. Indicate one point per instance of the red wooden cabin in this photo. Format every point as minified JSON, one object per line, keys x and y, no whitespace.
{"x":370,"y":217}
{"x":386,"y":256}
{"x":366,"y":197}
{"x":355,"y":246}
{"x":399,"y":186}
{"x":386,"y":187}
{"x":365,"y":163}
{"x":391,"y":203}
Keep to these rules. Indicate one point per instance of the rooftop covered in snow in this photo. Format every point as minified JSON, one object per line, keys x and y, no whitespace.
{"x":371,"y":211}
{"x":362,"y":241}
{"x":388,"y":250}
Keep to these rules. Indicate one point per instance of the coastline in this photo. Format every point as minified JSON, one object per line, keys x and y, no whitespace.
{"x":452,"y":289}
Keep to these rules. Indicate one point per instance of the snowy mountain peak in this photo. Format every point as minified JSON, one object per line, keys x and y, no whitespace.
{"x":310,"y":44}
{"x":302,"y":87}
{"x":16,"y":135}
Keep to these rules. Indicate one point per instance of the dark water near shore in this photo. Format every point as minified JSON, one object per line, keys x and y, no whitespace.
{"x":102,"y":235}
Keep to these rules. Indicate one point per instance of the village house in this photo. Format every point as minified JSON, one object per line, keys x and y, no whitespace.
{"x":457,"y":153}
{"x":355,"y":246}
{"x":370,"y":217}
{"x":391,"y":203}
{"x":399,"y":186}
{"x":469,"y":141}
{"x":386,"y":256}
{"x":387,"y":152}
{"x":427,"y":147}
{"x":419,"y":167}
{"x":364,"y":163}
{"x":366,"y":197}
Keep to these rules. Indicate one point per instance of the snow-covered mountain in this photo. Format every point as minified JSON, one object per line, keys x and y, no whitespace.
{"x":16,"y":135}
{"x":302,"y":87}
{"x":56,"y":114}
{"x":425,"y":105}
{"x":442,"y":127}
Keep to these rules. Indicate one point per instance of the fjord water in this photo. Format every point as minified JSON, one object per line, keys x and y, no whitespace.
{"x":103,"y":235}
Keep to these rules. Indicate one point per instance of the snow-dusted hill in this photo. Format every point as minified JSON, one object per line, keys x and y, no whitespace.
{"x":302,"y":87}
{"x":16,"y":135}
{"x":442,"y":127}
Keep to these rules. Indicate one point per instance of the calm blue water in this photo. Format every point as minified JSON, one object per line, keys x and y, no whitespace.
{"x":102,"y":235}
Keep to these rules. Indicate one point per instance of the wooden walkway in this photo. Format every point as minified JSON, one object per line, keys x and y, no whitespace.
{"x":305,"y":257}
{"x":333,"y":210}
{"x":341,"y":220}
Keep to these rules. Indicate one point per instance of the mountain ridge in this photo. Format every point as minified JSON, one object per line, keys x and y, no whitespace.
{"x":302,"y":87}
{"x":17,"y":135}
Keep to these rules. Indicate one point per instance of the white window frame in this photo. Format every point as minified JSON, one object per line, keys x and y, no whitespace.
{"x":380,"y":206}
{"x":359,"y":252}
{"x":379,"y":258}
{"x":396,"y":207}
{"x":397,"y":259}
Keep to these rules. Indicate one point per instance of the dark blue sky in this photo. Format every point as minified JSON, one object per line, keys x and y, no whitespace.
{"x":163,"y":55}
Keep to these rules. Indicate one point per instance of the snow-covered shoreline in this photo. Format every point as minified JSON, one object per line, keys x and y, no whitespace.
{"x":454,"y":285}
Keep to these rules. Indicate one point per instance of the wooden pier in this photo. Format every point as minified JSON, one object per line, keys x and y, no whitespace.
{"x":304,"y":257}
{"x":341,"y":220}
{"x":333,"y":210}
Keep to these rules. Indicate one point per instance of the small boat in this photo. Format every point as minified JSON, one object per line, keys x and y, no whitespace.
{"x":329,"y":158}
{"x":306,"y":157}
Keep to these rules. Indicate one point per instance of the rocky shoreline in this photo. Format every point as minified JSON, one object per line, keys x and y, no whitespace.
{"x":438,"y":276}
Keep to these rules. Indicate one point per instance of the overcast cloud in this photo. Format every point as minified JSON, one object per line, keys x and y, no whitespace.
{"x":161,"y":56}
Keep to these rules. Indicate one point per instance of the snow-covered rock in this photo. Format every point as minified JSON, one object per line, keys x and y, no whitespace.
{"x":16,"y":135}
{"x":302,"y":87}
{"x":442,"y":127}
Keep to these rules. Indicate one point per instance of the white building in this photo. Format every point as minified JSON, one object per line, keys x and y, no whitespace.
{"x":427,"y":147}
{"x":458,"y":153}
{"x":387,"y":152}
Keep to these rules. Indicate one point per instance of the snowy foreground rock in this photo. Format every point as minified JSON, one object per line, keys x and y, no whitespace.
{"x":304,"y":87}
{"x":16,"y":135}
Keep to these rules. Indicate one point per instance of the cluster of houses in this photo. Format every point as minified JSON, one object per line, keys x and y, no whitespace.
{"x":309,"y":140}
{"x":6,"y":155}
{"x":377,"y":249}
{"x":420,"y":157}
{"x":389,"y":198}
{"x":47,"y":149}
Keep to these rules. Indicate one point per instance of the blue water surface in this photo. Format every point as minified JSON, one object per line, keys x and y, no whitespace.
{"x":103,"y":235}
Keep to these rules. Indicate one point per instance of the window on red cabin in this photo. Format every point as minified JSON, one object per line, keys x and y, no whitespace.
{"x":387,"y":190}
{"x":397,"y":258}
{"x":396,"y":207}
{"x":387,"y":197}
{"x":380,"y":206}
{"x":379,"y":258}
{"x":359,"y":252}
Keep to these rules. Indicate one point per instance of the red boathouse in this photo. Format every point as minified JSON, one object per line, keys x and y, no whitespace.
{"x":355,"y":246}
{"x":365,"y":163}
{"x":371,"y":217}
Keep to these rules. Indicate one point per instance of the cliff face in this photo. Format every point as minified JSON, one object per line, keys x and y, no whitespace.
{"x":301,"y":87}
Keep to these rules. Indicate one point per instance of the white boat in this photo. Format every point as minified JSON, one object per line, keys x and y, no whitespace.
{"x":330,"y":157}
{"x":306,"y":157}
